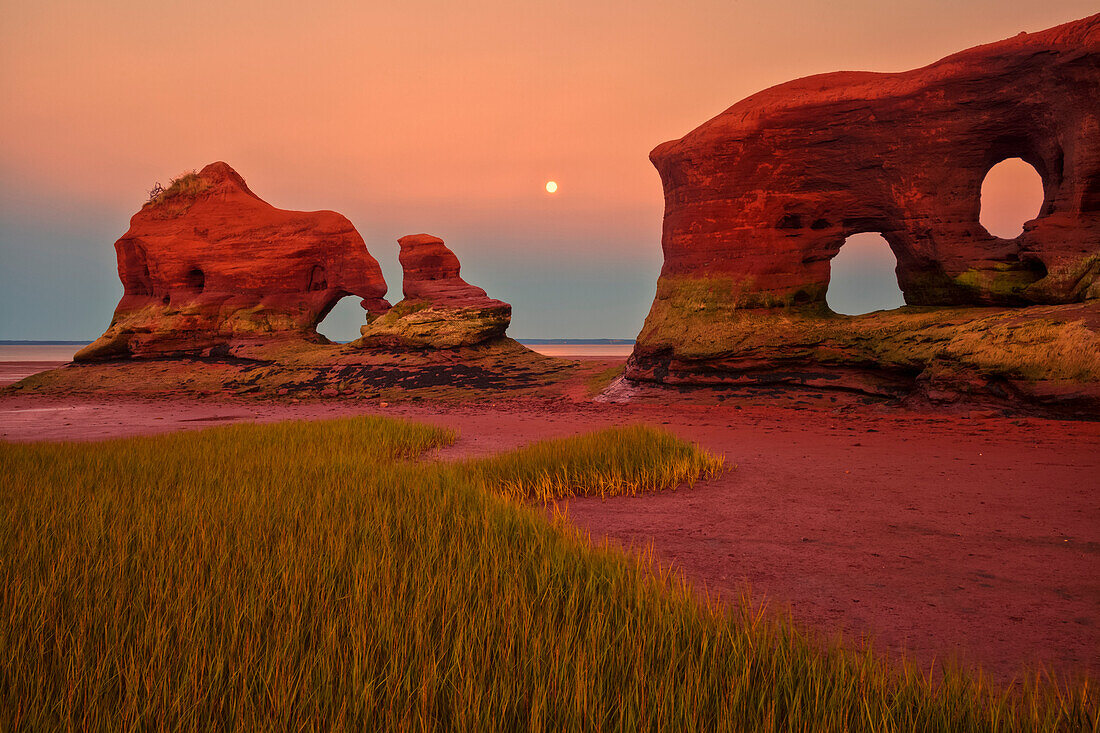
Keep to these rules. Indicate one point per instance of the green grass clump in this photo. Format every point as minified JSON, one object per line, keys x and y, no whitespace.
{"x":610,"y":462}
{"x":316,"y":576}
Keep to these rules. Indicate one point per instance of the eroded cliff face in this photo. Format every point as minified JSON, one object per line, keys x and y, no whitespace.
{"x":208,"y":266}
{"x":759,"y":199}
{"x":765,"y":193}
{"x":440,"y":309}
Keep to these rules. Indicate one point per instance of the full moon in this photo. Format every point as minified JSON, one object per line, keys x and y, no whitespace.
{"x":551,"y":186}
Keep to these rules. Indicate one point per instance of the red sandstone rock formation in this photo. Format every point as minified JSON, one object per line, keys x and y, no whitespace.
{"x":440,"y":309}
{"x":431,"y":273}
{"x":208,"y":265}
{"x":763,"y":195}
{"x":759,"y":199}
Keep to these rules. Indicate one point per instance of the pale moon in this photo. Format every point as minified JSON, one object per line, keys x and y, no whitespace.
{"x":551,"y":186}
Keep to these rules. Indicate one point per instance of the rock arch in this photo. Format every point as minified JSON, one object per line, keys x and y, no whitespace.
{"x":761,"y":193}
{"x":863,"y":276}
{"x":225,"y":268}
{"x":223,"y":272}
{"x":759,"y":199}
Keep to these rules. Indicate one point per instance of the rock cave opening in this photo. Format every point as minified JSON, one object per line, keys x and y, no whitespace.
{"x":863,"y":277}
{"x":342,"y":322}
{"x":195,"y":279}
{"x":1012,"y":194}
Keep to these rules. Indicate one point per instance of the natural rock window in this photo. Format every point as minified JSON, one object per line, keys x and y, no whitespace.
{"x":1012,"y":194}
{"x":256,"y":260}
{"x":862,"y":277}
{"x":342,"y":323}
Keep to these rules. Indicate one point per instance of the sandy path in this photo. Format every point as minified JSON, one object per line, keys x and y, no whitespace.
{"x":975,"y":537}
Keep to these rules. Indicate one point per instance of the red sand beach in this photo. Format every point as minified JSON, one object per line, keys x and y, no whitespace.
{"x":971,"y":536}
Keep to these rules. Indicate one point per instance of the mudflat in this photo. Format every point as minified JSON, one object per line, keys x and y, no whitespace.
{"x":12,"y":371}
{"x":971,"y":536}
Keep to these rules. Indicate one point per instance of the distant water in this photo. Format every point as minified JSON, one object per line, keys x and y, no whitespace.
{"x":38,"y":352}
{"x":572,"y":348}
{"x":21,"y":360}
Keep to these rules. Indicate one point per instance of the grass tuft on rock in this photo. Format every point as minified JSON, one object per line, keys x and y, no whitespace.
{"x":181,"y":191}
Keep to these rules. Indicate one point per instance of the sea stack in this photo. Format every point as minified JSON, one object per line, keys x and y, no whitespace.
{"x":440,"y":310}
{"x":759,"y":199}
{"x":207,"y":266}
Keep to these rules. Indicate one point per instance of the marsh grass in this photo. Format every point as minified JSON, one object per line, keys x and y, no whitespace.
{"x":610,"y":462}
{"x":317,"y":576}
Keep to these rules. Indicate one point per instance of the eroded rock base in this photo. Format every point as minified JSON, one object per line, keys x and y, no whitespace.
{"x":1043,"y":355}
{"x":305,"y":370}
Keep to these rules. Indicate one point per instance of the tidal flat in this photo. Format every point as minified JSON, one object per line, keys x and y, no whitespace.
{"x":606,"y":611}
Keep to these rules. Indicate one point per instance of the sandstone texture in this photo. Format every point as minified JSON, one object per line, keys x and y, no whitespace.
{"x":765,"y":193}
{"x":300,"y":369}
{"x":440,"y":309}
{"x":759,"y":199}
{"x":208,"y":267}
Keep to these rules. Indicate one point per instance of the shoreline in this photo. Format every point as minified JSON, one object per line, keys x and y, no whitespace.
{"x":14,"y":371}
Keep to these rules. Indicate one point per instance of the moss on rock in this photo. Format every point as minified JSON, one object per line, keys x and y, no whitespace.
{"x":419,"y":324}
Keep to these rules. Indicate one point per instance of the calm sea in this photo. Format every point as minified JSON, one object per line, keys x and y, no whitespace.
{"x":38,"y":352}
{"x":582,"y":349}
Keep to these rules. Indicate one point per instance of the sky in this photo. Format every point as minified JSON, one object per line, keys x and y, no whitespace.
{"x":417,"y":116}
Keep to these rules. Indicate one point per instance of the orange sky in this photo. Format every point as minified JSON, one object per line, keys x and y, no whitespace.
{"x":445,"y":117}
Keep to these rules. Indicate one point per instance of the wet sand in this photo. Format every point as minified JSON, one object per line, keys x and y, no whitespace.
{"x":971,"y":536}
{"x":12,"y":371}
